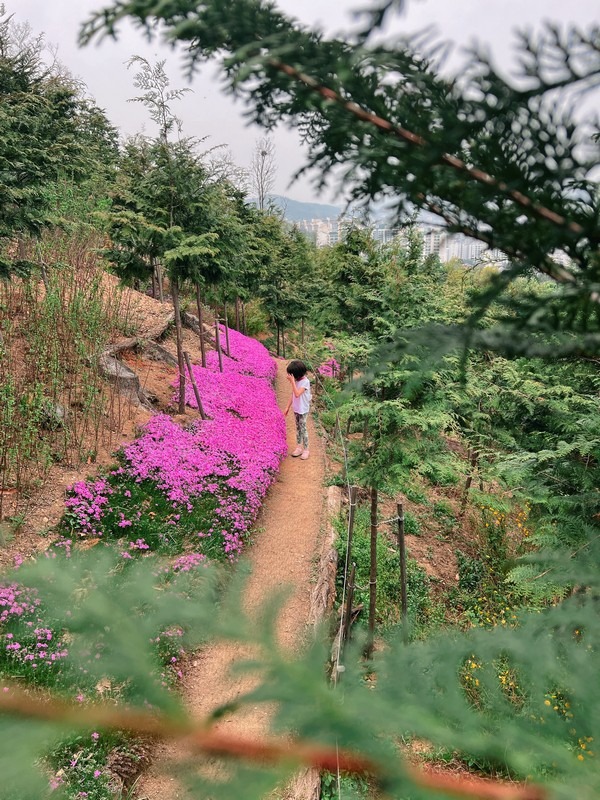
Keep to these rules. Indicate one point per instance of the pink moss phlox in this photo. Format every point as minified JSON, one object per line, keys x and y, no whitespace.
{"x":40,"y":646}
{"x":247,"y":356}
{"x":329,"y":368}
{"x":189,"y":562}
{"x":234,"y":455}
{"x":87,"y":503}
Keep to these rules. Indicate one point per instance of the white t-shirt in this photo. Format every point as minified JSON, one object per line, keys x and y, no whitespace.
{"x":301,"y":404}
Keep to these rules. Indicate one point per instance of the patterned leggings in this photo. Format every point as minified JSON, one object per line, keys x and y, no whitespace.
{"x":301,"y":431}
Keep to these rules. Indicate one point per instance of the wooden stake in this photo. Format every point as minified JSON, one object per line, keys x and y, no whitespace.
{"x":348,"y":609}
{"x":351,"y":515}
{"x":402,"y":550}
{"x":179,"y":338}
{"x":473,"y":461}
{"x":373,"y":575}
{"x":218,"y":344}
{"x":194,"y":385}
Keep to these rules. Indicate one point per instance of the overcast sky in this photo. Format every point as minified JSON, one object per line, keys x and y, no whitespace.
{"x":208,"y":113}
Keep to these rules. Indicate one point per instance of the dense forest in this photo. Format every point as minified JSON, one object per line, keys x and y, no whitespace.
{"x":467,"y":396}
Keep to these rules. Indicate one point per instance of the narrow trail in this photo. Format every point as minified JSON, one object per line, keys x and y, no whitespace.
{"x":282,"y":555}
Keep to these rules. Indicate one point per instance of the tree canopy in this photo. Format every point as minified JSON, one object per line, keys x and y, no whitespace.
{"x":504,"y":161}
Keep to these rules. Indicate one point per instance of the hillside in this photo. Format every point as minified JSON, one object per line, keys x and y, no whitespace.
{"x":295,"y":211}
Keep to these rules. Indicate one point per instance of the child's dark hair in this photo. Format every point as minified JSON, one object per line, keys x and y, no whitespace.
{"x":297,"y":369}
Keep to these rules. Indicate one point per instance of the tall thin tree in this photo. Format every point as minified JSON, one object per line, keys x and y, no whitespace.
{"x":263,"y":170}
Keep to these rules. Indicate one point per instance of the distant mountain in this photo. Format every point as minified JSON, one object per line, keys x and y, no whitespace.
{"x":294,"y":211}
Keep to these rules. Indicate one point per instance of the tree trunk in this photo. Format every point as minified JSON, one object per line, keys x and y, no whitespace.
{"x":201,"y":326}
{"x":179,"y":339}
{"x":244,"y":318}
{"x":283,"y":341}
{"x":161,"y":283}
{"x":302,"y":331}
{"x":278,"y":341}
{"x":237,"y":313}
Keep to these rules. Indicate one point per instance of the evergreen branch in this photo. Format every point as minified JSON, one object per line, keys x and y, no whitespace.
{"x":548,"y":267}
{"x":417,"y":140}
{"x":201,"y":739}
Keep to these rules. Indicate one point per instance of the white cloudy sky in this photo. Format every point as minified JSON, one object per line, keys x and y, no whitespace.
{"x":209,"y":113}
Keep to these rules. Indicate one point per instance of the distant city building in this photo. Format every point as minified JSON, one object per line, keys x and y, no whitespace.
{"x":323,"y":232}
{"x":385,"y":235}
{"x":436,"y":240}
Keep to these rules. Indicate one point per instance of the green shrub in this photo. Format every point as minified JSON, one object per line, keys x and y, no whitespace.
{"x":350,"y":787}
{"x":470,"y":572}
{"x":257,"y":319}
{"x":388,"y":598}
{"x":411,"y":524}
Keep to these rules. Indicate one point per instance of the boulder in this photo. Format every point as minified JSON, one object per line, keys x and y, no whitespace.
{"x":157,"y":352}
{"x":54,"y":415}
{"x":125,"y":379}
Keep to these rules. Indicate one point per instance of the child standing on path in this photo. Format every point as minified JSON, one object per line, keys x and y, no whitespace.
{"x":300,"y":402}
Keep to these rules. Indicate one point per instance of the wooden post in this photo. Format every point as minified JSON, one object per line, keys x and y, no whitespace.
{"x":218,"y":343}
{"x":348,"y":609}
{"x":402,"y":551}
{"x":201,"y":326}
{"x":373,"y":575}
{"x":473,"y":461}
{"x":351,"y":515}
{"x":194,"y":385}
{"x":179,"y":337}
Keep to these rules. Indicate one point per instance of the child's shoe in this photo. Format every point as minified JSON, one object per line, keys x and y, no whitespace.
{"x":305,"y":455}
{"x":297,"y":452}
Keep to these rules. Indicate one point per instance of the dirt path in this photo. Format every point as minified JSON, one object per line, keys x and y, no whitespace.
{"x":288,"y":532}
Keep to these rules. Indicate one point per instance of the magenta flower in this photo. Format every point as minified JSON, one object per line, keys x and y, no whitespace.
{"x":329,"y":368}
{"x":232,"y":456}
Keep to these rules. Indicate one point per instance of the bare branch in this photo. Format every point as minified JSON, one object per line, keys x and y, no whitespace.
{"x":199,"y":738}
{"x":416,"y":140}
